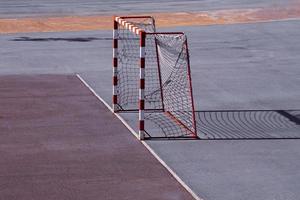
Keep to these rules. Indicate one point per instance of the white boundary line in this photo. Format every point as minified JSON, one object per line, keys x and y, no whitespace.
{"x":143,"y":142}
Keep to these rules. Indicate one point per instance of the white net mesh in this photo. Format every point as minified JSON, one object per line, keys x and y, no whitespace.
{"x":129,"y":64}
{"x":168,"y":99}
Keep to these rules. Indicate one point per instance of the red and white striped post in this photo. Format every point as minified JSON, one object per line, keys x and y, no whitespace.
{"x":142,"y":85}
{"x":115,"y":65}
{"x":142,"y":34}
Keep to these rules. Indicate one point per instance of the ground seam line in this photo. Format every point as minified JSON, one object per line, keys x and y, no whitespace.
{"x":143,"y":142}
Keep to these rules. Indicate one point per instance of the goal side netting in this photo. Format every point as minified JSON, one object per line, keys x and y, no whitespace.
{"x":151,"y":75}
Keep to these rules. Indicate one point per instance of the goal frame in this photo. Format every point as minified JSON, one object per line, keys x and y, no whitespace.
{"x":142,"y":45}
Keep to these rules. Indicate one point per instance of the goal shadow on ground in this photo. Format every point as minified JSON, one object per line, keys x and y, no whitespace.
{"x":248,"y":124}
{"x":230,"y":125}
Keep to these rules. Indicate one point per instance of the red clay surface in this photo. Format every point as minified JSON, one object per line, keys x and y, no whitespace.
{"x":59,"y":142}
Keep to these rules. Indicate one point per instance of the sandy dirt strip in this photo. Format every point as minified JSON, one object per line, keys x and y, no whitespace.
{"x":80,"y":23}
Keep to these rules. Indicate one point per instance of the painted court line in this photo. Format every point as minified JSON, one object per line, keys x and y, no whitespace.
{"x":143,"y":142}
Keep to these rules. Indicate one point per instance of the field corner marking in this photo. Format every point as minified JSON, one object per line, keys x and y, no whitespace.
{"x":186,"y":187}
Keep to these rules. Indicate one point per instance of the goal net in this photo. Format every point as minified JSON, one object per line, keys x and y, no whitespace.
{"x":151,"y":75}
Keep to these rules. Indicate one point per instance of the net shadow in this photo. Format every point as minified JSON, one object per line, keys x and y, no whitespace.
{"x":248,"y":124}
{"x":165,"y":125}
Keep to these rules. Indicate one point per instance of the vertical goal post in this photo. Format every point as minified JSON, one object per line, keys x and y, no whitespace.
{"x":151,"y":75}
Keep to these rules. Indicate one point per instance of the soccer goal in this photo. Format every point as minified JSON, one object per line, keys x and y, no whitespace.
{"x":151,"y":75}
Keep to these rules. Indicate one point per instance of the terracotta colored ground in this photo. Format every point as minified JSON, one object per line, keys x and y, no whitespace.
{"x":59,"y":142}
{"x":79,"y":23}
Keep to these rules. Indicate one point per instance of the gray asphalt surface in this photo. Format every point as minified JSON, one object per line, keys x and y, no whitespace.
{"x":36,"y":8}
{"x":249,"y":67}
